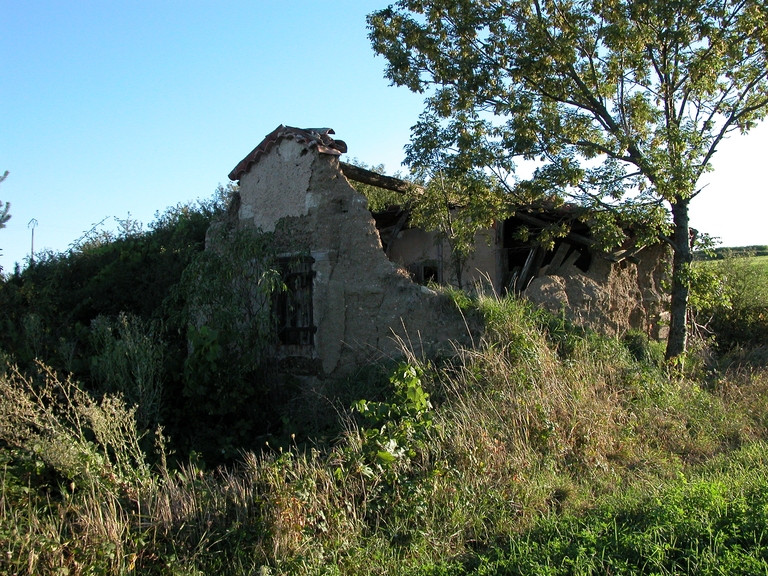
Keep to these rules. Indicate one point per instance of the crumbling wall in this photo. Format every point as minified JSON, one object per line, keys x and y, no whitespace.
{"x":361,"y":301}
{"x":610,"y":298}
{"x":414,"y":246}
{"x":365,"y":307}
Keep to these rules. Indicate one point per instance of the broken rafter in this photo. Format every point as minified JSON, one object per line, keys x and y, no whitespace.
{"x":373,"y":179}
{"x":616,"y":257}
{"x":398,"y":227}
{"x":628,"y":254}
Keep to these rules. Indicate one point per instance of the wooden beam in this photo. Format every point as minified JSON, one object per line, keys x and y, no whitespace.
{"x":358,"y":174}
{"x":557,"y":260}
{"x":373,"y":179}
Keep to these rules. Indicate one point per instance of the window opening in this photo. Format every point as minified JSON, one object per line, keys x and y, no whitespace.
{"x":425,"y":271}
{"x":295,"y":325}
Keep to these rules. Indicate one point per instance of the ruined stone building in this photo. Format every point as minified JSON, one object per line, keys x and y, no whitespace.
{"x":357,"y":281}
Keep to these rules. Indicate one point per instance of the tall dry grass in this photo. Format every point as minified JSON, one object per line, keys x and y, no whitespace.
{"x":533,"y":420}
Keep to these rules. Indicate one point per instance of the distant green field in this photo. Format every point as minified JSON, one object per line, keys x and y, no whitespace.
{"x":756,"y":254}
{"x":761,"y":261}
{"x":755,"y":250}
{"x":720,"y":253}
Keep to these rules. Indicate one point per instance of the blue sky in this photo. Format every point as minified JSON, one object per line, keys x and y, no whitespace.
{"x":108,"y":108}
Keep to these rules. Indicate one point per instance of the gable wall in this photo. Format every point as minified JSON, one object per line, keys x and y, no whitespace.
{"x":361,"y":301}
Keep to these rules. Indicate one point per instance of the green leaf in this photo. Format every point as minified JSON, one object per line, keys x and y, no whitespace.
{"x":385,"y":457}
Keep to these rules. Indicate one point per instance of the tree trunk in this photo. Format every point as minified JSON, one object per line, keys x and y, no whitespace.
{"x":681,"y":262}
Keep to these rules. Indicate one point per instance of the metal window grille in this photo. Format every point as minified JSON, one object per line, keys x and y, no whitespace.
{"x":294,"y":304}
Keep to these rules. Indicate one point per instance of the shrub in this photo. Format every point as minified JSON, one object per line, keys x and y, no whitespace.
{"x":48,"y":307}
{"x":82,"y":439}
{"x":227,"y":317}
{"x":740,"y":317}
{"x":128,"y":361}
{"x":538,"y":449}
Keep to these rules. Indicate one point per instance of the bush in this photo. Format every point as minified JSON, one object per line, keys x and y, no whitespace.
{"x":539,"y":449}
{"x":83,"y":440}
{"x":128,"y":361}
{"x":48,"y":308}
{"x":739,"y":318}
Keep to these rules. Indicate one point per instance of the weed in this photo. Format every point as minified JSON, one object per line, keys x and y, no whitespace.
{"x":128,"y":362}
{"x":539,"y":449}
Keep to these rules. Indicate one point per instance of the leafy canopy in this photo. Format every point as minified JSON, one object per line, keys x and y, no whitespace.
{"x":622,"y":103}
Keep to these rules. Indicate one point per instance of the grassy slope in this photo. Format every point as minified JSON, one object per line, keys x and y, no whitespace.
{"x":541,"y":450}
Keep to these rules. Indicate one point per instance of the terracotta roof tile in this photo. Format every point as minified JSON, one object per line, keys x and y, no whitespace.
{"x":318,"y":138}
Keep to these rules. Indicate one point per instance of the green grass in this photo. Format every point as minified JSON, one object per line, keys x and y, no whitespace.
{"x":758,"y":261}
{"x":761,"y":262}
{"x":712,"y":523}
{"x":729,"y":298}
{"x":541,"y":449}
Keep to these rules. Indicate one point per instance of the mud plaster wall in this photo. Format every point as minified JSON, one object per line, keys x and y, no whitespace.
{"x":361,"y":301}
{"x":414,"y":245}
{"x":611,"y":298}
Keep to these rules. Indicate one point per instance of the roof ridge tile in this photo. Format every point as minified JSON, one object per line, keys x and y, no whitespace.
{"x":318,"y":138}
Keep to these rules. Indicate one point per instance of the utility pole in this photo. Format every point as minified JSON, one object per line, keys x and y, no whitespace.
{"x":32,"y":224}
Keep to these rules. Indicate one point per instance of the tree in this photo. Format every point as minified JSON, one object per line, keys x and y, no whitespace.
{"x":622,"y":102}
{"x":4,"y":207}
{"x":455,"y":202}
